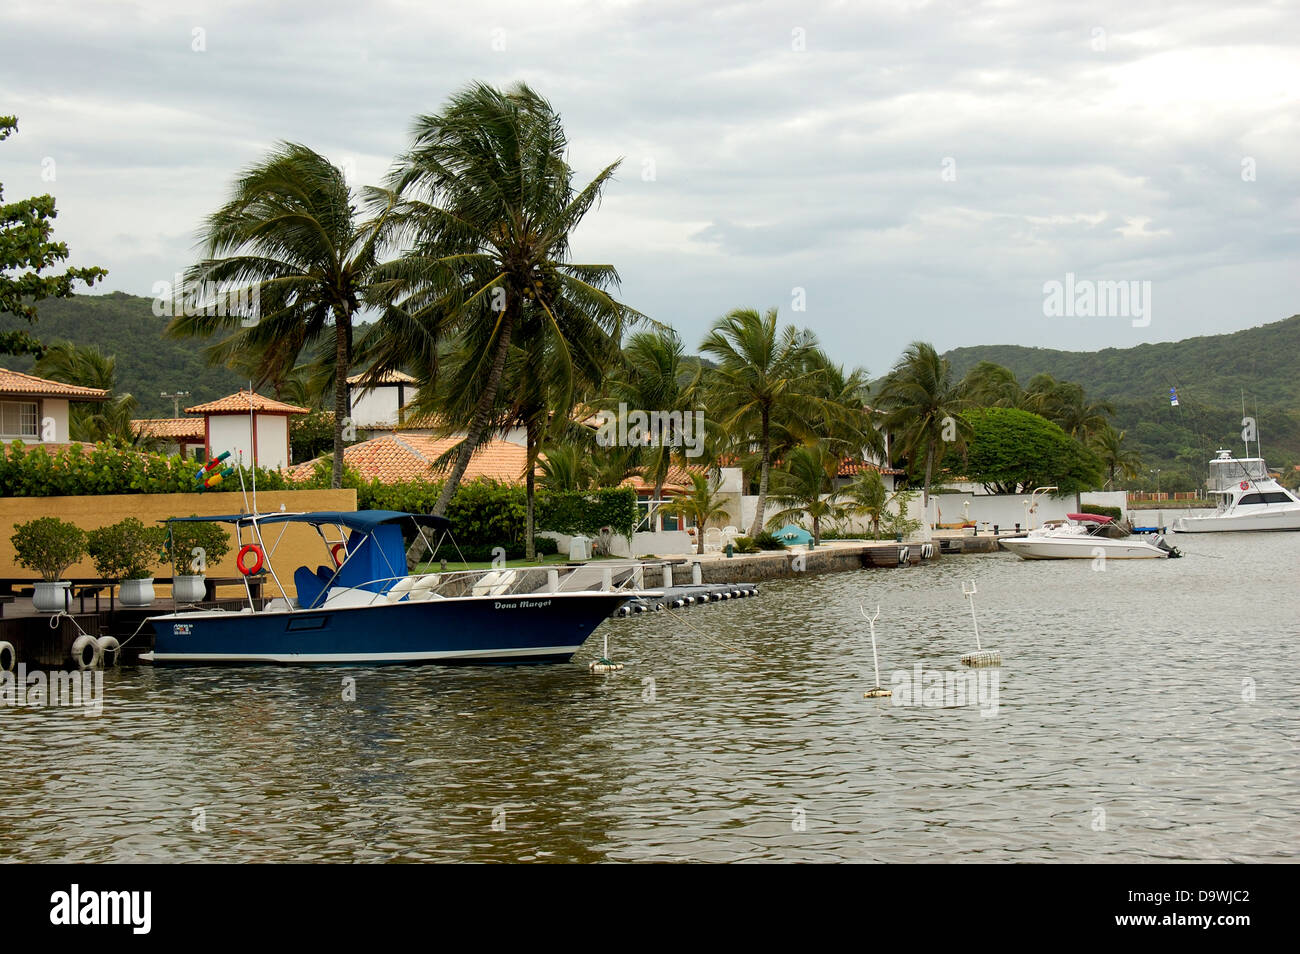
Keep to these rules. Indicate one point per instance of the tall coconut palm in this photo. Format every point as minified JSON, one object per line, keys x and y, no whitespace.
{"x":486,"y":198}
{"x":989,"y":384}
{"x":803,"y":484}
{"x":759,"y":393}
{"x":839,"y":402}
{"x":652,"y":378}
{"x":291,"y":234}
{"x":923,"y":408}
{"x":1118,"y":458}
{"x":701,"y":505}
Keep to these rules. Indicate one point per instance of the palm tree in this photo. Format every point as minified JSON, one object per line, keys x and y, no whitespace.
{"x":803,"y":485}
{"x":989,"y":384}
{"x":1117,"y":458}
{"x":846,"y":424}
{"x":651,"y":377}
{"x":87,"y":366}
{"x":923,"y":408}
{"x":701,"y":505}
{"x":565,"y":468}
{"x":487,"y":198}
{"x":868,"y":497}
{"x":758,"y":393}
{"x":290,"y":234}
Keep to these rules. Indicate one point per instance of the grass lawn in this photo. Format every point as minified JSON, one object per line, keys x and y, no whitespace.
{"x":554,"y":559}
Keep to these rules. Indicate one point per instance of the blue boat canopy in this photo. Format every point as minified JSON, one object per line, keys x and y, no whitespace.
{"x":363,"y":521}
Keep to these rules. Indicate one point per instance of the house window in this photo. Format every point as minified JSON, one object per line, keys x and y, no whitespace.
{"x":18,"y":419}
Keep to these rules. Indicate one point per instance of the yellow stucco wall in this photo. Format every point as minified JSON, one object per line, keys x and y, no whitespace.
{"x":299,"y":545}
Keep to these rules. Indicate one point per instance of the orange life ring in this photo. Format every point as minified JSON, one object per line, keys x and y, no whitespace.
{"x":1244,"y":485}
{"x":254,"y":549}
{"x":334,"y":552}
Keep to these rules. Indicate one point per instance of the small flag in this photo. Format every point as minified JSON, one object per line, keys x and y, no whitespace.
{"x":1173,"y":397}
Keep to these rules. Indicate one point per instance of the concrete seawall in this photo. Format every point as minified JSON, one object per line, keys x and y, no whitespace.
{"x":783,"y":564}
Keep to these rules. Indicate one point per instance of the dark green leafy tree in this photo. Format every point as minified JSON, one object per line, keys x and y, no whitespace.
{"x":26,"y":252}
{"x":1011,"y":451}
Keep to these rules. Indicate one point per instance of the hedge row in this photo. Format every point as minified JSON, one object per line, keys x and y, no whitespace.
{"x":483,"y":513}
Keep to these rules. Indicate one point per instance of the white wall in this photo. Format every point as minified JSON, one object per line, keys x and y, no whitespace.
{"x":1006,"y":510}
{"x":231,"y":432}
{"x":272,"y":441}
{"x":55,"y":408}
{"x":377,"y":406}
{"x":663,"y":543}
{"x":862,"y":525}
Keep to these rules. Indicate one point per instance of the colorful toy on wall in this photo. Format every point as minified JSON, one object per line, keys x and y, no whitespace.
{"x":212,"y":474}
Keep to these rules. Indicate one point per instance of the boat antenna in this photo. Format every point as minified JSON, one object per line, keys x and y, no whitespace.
{"x":1244,"y":430}
{"x":252,"y":439}
{"x":1259,"y":451}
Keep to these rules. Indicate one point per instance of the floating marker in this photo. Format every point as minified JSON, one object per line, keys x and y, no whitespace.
{"x":981,"y":656}
{"x":876,"y":692}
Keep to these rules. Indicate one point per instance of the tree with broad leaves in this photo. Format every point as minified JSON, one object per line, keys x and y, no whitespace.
{"x":25,"y":252}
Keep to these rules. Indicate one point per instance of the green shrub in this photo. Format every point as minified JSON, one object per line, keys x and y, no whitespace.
{"x":1114,"y":513}
{"x":744,"y":545}
{"x":106,"y":468}
{"x":49,"y":546}
{"x":126,"y":550}
{"x":589,"y":512}
{"x":183,"y":537}
{"x":768,"y":541}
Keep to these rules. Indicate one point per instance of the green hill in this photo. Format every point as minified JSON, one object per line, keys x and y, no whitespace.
{"x":1210,"y":373}
{"x":126,"y":327}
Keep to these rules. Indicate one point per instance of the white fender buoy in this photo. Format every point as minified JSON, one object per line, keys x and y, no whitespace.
{"x":111,"y":650}
{"x":80,"y":645}
{"x":8,"y":657}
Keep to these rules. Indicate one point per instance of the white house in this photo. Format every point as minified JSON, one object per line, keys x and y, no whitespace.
{"x":379,"y":404}
{"x":250,"y":424}
{"x":35,"y":410}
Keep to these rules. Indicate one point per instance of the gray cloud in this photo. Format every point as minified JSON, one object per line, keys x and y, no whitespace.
{"x":773,"y":167}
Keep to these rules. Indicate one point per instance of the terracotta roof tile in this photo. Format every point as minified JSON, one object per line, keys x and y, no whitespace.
{"x":175,"y":428}
{"x":388,"y":377}
{"x":390,"y":459}
{"x":16,"y":382}
{"x":243,"y":400}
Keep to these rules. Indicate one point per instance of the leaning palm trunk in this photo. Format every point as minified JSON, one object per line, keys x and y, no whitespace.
{"x":763,"y":472}
{"x":480,"y":422}
{"x":342,"y":360}
{"x":530,"y":546}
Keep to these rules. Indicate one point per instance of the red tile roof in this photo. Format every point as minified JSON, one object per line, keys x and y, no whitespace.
{"x":388,"y":377}
{"x":390,"y":459}
{"x":171,"y":428}
{"x":242,"y":401}
{"x":16,"y":382}
{"x":851,"y":467}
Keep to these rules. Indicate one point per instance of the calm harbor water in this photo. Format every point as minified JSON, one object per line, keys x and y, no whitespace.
{"x":1148,"y":712}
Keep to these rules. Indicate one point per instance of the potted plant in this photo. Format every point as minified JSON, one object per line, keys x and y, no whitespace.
{"x":190,"y":547}
{"x":126,"y":552}
{"x":49,"y":546}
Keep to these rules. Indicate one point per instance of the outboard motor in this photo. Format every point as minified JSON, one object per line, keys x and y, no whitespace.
{"x":1172,"y":551}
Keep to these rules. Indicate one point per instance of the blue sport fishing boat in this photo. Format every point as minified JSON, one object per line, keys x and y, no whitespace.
{"x":363,"y":607}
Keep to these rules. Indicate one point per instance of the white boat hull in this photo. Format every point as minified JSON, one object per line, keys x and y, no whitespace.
{"x":1277,"y":519}
{"x":1046,"y":548}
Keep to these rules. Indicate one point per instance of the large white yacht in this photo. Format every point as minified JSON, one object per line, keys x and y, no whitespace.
{"x":1249,"y":499}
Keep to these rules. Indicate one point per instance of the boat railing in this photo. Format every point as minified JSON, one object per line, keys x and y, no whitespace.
{"x":604,"y":576}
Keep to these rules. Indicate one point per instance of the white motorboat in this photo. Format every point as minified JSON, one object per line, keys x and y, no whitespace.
{"x":1249,"y":499}
{"x":1086,"y":536}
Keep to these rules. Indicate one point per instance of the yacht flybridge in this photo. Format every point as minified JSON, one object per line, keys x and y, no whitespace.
{"x":364,"y":607}
{"x":1249,"y":499}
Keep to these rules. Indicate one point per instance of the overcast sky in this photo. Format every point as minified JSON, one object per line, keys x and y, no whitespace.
{"x":918,"y":169}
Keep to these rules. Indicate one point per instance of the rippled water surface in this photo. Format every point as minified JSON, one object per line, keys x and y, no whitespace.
{"x":1147,"y":712}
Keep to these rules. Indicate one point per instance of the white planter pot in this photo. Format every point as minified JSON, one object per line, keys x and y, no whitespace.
{"x":136,"y":592}
{"x":50,"y":597}
{"x":188,"y":589}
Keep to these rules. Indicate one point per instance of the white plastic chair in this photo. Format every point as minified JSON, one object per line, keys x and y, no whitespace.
{"x":712,"y":539}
